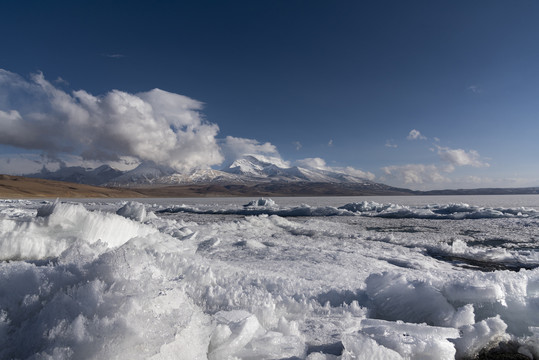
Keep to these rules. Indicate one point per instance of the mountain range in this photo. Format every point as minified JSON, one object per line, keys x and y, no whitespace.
{"x":250,"y":169}
{"x":249,"y":175}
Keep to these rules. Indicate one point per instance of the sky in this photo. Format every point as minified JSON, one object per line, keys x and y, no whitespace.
{"x":419,"y":94}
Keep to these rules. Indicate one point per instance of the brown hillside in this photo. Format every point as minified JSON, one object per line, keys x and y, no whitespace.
{"x":23,"y":187}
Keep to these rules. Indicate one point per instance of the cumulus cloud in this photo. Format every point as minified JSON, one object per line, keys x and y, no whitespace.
{"x":418,"y":174}
{"x":415,"y":135}
{"x":158,"y":126}
{"x":234,"y":148}
{"x":414,"y":174}
{"x":460,"y":157}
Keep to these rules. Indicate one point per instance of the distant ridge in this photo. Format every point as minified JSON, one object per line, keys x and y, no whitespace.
{"x":14,"y":187}
{"x":483,"y":191}
{"x":24,"y":187}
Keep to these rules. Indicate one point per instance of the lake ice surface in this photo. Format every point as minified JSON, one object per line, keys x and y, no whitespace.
{"x":287,"y":278}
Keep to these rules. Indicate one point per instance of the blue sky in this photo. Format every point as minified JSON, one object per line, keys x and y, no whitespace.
{"x":342,"y":81}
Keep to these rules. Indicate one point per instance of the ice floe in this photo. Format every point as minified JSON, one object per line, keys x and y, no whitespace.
{"x":134,"y":280}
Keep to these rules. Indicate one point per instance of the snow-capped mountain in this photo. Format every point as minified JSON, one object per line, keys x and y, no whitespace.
{"x":204,"y":176}
{"x":250,"y":169}
{"x":263,"y":168}
{"x":256,"y":165}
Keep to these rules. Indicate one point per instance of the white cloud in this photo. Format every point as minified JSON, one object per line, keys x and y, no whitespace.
{"x":313,"y":163}
{"x":390,"y":144}
{"x":475,"y":89}
{"x":156,"y":125}
{"x":460,"y":157}
{"x":415,"y":135}
{"x":330,"y":143}
{"x":297,"y":144}
{"x":234,"y":148}
{"x":414,"y":174}
{"x":418,"y":174}
{"x":359,"y":173}
{"x":320,"y":164}
{"x":60,"y":80}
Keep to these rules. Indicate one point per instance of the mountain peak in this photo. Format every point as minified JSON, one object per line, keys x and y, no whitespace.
{"x":255,"y":164}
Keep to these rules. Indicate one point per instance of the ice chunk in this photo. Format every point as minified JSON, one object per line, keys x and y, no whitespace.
{"x":133,"y":210}
{"x":47,"y":209}
{"x":237,"y":328}
{"x":362,"y":347}
{"x":262,"y":202}
{"x":239,"y":334}
{"x":477,"y":336}
{"x":472,"y":292}
{"x":396,"y":298}
{"x":61,"y":226}
{"x":412,"y":341}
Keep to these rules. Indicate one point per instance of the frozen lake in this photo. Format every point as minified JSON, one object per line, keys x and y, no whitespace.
{"x":289,"y":278}
{"x":531,"y":201}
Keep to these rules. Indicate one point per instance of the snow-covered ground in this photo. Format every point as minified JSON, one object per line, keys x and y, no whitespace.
{"x":315,"y":278}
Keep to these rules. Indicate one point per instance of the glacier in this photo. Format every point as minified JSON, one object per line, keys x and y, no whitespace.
{"x":283,"y":278}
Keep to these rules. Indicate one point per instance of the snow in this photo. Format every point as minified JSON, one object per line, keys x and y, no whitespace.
{"x":256,"y":164}
{"x":266,"y":279}
{"x":261,"y":167}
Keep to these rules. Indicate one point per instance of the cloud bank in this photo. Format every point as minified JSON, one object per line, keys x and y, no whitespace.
{"x":422,"y":174}
{"x":415,"y":174}
{"x":157,"y":126}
